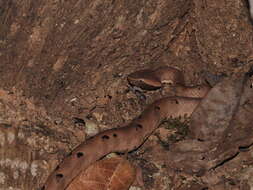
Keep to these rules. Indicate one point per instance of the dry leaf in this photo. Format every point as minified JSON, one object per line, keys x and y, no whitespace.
{"x":221,"y":128}
{"x":110,"y":174}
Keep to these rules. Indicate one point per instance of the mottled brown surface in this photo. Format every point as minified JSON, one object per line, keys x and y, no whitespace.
{"x":114,"y":173}
{"x":65,"y":59}
{"x":217,"y":153}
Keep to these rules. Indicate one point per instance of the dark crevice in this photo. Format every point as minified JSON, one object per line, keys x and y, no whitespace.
{"x":250,"y":72}
{"x":157,"y":108}
{"x":225,"y":161}
{"x":78,"y":121}
{"x":245,"y":148}
{"x":57,"y":167}
{"x":69,"y":154}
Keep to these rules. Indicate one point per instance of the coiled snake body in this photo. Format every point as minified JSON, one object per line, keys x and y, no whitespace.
{"x":119,"y":139}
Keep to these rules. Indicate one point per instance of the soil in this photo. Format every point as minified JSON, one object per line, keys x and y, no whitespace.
{"x":63,"y":68}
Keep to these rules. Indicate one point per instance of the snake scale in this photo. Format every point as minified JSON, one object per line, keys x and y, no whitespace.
{"x":121,"y":139}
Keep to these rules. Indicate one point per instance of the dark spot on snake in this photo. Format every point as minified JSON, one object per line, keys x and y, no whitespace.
{"x":157,"y":108}
{"x":57,"y":167}
{"x":176,"y":102}
{"x":42,"y":188}
{"x":115,"y":135}
{"x":104,"y":137}
{"x":79,"y":154}
{"x":58,"y":176}
{"x":138,"y":126}
{"x":251,"y":86}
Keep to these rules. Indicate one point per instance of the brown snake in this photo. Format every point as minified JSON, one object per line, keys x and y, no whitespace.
{"x":121,"y":139}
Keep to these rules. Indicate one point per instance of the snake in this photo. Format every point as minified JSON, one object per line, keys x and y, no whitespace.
{"x":132,"y":135}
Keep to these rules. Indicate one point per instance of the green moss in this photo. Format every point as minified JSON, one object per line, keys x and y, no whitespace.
{"x":181,"y":128}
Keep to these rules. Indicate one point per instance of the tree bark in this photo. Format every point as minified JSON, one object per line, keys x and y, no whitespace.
{"x":61,"y":60}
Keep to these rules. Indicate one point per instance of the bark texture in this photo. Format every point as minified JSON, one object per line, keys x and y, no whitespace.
{"x":63,"y":68}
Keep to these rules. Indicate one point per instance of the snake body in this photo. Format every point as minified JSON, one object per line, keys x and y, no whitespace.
{"x":131,"y":136}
